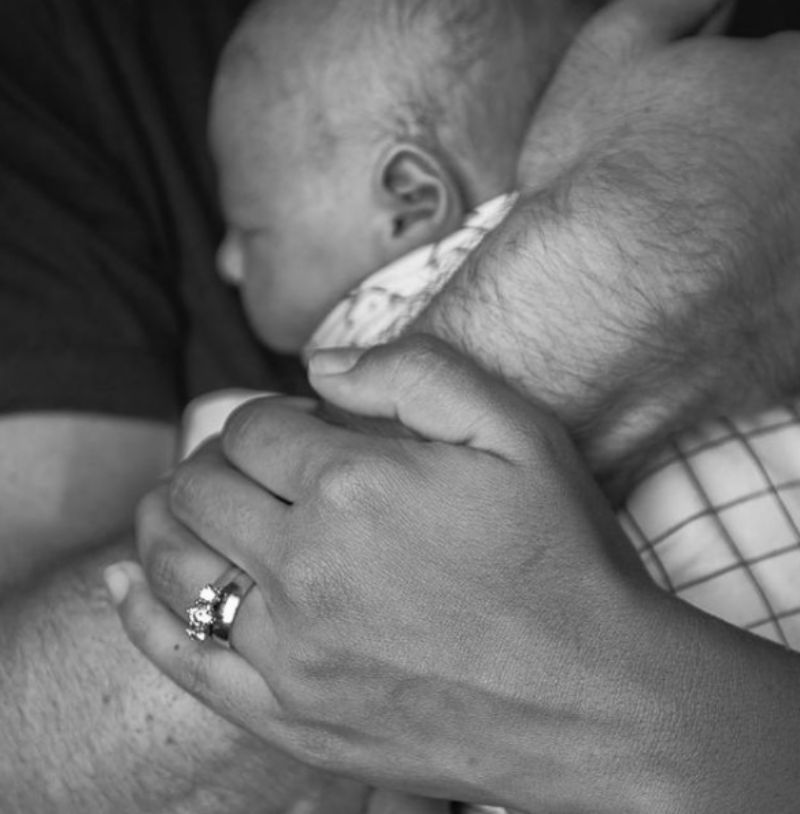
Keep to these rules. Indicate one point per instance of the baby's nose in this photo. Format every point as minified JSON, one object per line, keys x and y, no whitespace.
{"x":229,"y":261}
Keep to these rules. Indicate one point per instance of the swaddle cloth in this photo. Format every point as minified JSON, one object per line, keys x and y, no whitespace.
{"x":383,"y":305}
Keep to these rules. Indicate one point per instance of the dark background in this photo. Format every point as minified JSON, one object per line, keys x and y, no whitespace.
{"x":759,"y":17}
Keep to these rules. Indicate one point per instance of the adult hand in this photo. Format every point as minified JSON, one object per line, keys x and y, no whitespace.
{"x":455,"y":614}
{"x":648,"y":274}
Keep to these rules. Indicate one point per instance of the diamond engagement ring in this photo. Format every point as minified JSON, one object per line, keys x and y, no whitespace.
{"x":214,"y":611}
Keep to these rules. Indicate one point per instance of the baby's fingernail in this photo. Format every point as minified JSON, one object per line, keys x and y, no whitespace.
{"x":118,"y":582}
{"x":333,"y":361}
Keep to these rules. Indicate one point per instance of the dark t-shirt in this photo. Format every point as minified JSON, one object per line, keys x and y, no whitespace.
{"x":109,"y":300}
{"x":758,"y":18}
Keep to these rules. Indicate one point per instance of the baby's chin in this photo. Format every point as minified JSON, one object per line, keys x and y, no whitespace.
{"x":284,"y":336}
{"x":283,"y":343}
{"x":281,"y":323}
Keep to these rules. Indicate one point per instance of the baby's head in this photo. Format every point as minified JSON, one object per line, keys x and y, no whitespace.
{"x":350,"y":132}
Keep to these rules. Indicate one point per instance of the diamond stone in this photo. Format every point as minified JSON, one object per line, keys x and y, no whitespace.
{"x":201,"y":616}
{"x":208,"y":593}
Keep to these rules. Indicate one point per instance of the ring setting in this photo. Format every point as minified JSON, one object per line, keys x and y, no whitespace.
{"x":212,"y":614}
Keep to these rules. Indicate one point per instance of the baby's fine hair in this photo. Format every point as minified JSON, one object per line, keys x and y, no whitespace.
{"x":458,"y":76}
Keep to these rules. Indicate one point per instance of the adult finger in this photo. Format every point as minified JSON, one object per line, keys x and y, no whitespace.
{"x":427,"y":387}
{"x":178,"y":564}
{"x":280,"y":448}
{"x":219,"y":677}
{"x":232,"y":514}
{"x":205,"y":416}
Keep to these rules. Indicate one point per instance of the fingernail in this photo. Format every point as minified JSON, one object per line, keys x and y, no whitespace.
{"x":333,"y":361}
{"x":118,"y":583}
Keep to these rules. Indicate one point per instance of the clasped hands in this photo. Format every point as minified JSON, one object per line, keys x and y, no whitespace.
{"x":431,"y":611}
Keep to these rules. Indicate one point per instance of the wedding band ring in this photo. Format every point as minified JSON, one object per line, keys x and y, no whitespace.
{"x":214,"y":611}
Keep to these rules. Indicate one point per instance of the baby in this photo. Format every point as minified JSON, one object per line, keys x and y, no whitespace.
{"x":349,"y":133}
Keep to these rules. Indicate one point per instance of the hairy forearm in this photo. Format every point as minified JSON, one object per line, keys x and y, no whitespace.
{"x":625,"y":339}
{"x":649,"y":273}
{"x":87,"y":724}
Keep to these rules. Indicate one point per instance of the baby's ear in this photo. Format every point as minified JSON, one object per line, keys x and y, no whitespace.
{"x":419,"y":198}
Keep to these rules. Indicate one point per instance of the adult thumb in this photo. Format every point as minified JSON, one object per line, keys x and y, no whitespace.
{"x":428,"y":388}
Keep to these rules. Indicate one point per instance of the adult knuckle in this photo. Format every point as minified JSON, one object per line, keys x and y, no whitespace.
{"x":343,"y":485}
{"x":357,"y":493}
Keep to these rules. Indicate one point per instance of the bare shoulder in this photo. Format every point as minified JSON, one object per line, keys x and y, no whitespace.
{"x":68,"y":482}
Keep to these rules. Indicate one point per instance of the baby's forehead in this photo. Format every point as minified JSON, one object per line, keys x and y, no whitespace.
{"x":302,"y":91}
{"x":263,"y":141}
{"x":288,"y":62}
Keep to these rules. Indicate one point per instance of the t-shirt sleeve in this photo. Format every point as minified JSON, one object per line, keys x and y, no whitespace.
{"x":89,"y":319}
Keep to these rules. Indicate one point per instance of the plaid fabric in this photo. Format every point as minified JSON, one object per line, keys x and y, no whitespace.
{"x":716,"y":521}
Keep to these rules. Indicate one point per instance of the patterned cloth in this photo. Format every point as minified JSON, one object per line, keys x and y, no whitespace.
{"x":383,"y":305}
{"x":716,"y":521}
